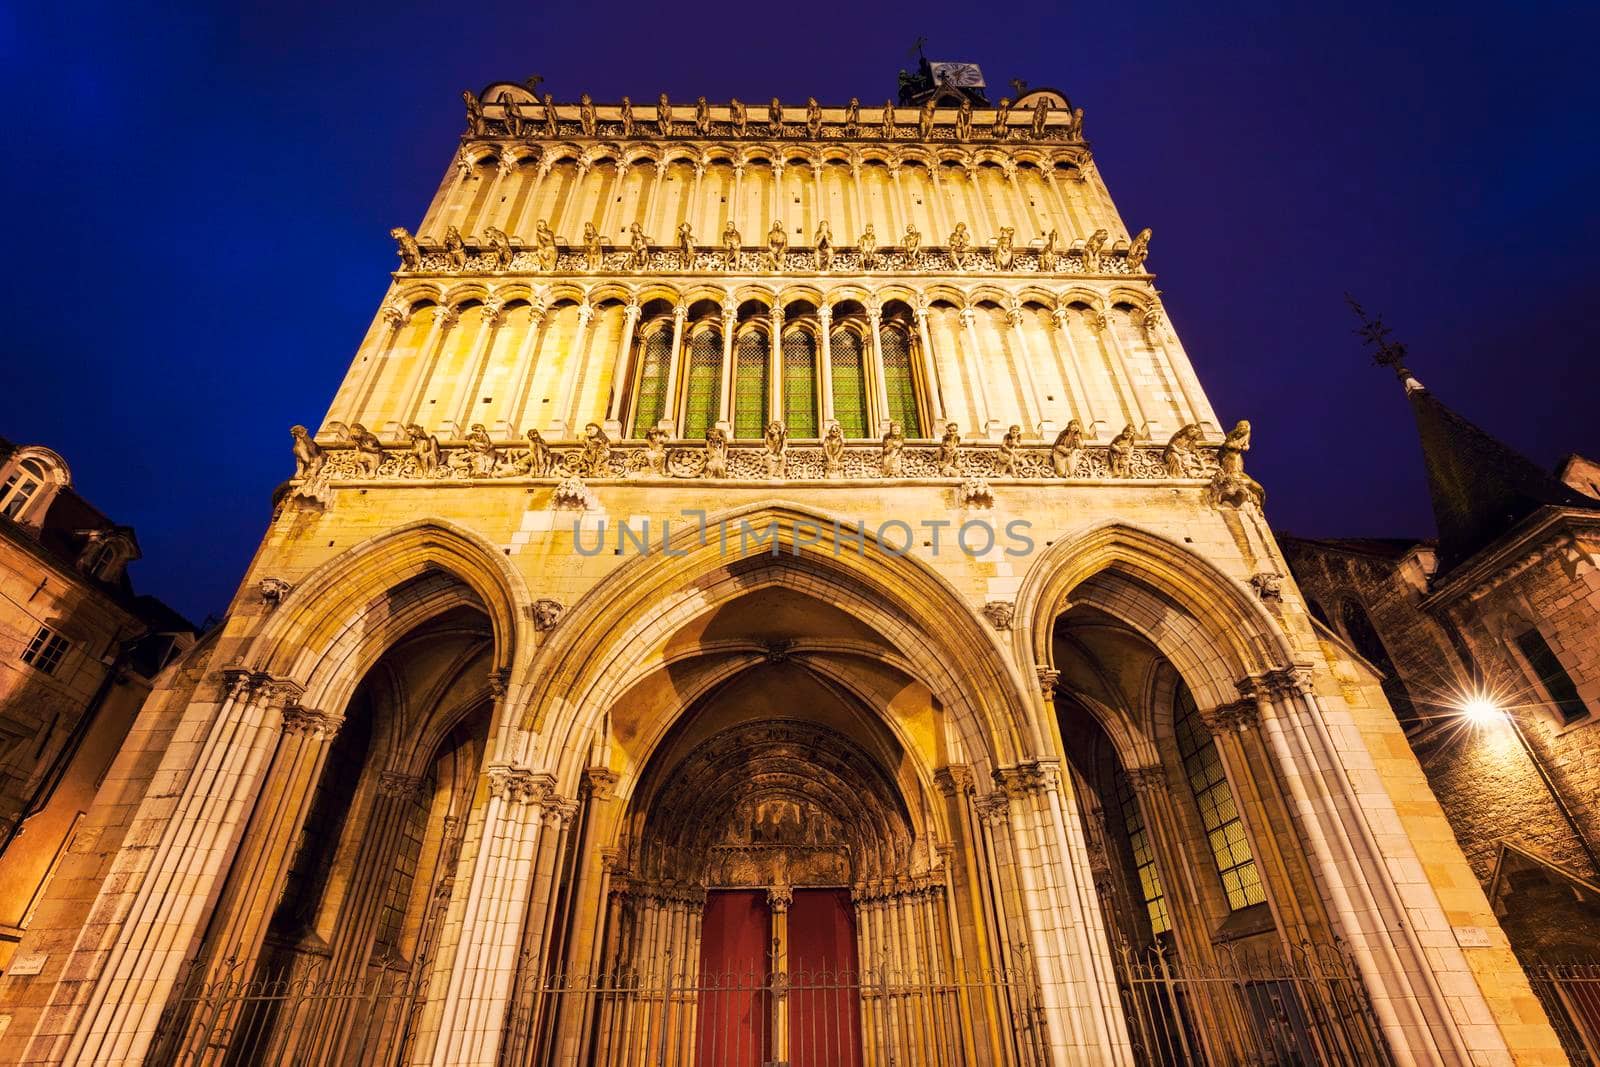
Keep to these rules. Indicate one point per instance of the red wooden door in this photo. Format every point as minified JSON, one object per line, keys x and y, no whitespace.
{"x":825,"y":993}
{"x":735,"y":1021}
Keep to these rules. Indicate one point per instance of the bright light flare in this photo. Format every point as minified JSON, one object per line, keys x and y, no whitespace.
{"x":1481,"y":710}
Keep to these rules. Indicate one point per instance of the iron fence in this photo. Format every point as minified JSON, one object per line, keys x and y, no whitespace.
{"x":1287,"y":1006}
{"x":883,"y":1017}
{"x":1570,"y":993}
{"x":295,"y":1013}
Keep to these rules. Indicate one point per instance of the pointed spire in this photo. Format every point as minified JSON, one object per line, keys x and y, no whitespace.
{"x":1481,"y":486}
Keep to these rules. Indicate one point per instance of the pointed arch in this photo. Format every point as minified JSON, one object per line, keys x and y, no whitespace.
{"x":1222,"y":633}
{"x":583,"y":668}
{"x":327,"y":621}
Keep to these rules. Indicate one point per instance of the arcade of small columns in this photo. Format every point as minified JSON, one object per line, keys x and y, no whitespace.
{"x":558,"y":356}
{"x":513,"y":186}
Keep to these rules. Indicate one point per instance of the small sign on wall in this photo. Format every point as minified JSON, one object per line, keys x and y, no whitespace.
{"x":31,"y":964}
{"x":1473,"y":937}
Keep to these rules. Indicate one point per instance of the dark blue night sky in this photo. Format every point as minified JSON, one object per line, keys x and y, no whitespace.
{"x":200,"y":202}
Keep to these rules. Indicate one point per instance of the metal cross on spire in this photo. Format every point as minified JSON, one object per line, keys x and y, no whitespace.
{"x":1387,"y":352}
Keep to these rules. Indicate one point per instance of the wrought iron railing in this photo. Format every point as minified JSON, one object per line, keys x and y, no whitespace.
{"x":1280,"y":1007}
{"x":1570,"y":993}
{"x":803,"y":1017}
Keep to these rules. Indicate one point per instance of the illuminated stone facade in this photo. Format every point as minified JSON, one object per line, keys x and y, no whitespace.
{"x":688,"y":568}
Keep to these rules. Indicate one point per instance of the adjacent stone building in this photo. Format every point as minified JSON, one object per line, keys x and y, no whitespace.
{"x":771,"y":588}
{"x":78,"y":653}
{"x":1488,"y":639}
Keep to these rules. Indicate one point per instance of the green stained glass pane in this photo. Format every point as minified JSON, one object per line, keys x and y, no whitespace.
{"x":704,"y":384}
{"x":750,"y":385}
{"x":800,"y":383}
{"x":898,"y":382}
{"x":651,"y":399}
{"x":849,"y":382}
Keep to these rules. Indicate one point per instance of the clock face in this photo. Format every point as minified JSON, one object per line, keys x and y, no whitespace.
{"x":960,"y":75}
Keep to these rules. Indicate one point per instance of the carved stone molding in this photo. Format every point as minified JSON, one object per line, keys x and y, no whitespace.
{"x":1000,"y":613}
{"x":571,"y":494}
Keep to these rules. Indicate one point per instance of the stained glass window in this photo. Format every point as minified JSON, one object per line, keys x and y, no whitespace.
{"x":1202,"y":763}
{"x":849,"y":382}
{"x":651,"y":398}
{"x":750,"y":385}
{"x":1144,"y":858}
{"x":897,"y":380}
{"x":800,"y":383}
{"x":704,"y":384}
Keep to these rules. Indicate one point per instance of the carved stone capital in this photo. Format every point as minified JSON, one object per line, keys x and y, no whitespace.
{"x":994,"y":807}
{"x":779,"y":897}
{"x":519,"y":785}
{"x":396,"y":784}
{"x":955,"y":779}
{"x":499,"y":681}
{"x":1151,"y":779}
{"x":600,"y":783}
{"x":318,"y":725}
{"x":1286,"y":682}
{"x":395,"y":315}
{"x":1048,"y":677}
{"x":1237,"y":717}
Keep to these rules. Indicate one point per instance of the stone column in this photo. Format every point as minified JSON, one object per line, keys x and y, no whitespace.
{"x":194,"y":837}
{"x":566,"y":400}
{"x":730,"y":323}
{"x":492,"y":316}
{"x":621,"y":379}
{"x":484,"y":968}
{"x":734,"y":201}
{"x":693,"y":214}
{"x":531,"y":204}
{"x":857,"y":202}
{"x":670,"y":407}
{"x":1014,"y":315}
{"x":608,"y":218}
{"x":526,"y":363}
{"x":1075,"y":225}
{"x":980,"y":394}
{"x":1078,"y":988}
{"x":825,"y":348}
{"x":488,"y":217}
{"x":648,"y":224}
{"x":1078,"y":402}
{"x":260,"y":870}
{"x":395,"y":316}
{"x":973,"y":928}
{"x":775,"y":367}
{"x":777,"y":191}
{"x":880,"y":387}
{"x":568,"y":220}
{"x":1182,"y":372}
{"x":428,"y":352}
{"x":930,"y":364}
{"x":1382,"y":923}
{"x":779,"y":897}
{"x":1122,"y":378}
{"x":902,"y":213}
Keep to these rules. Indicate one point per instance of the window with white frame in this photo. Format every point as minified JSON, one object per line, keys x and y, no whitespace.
{"x":21,"y":487}
{"x":46,"y":651}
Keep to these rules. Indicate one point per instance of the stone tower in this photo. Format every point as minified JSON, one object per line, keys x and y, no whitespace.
{"x":770,"y":588}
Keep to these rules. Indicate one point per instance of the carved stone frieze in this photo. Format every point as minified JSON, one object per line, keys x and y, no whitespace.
{"x":573,"y":464}
{"x":484,"y":256}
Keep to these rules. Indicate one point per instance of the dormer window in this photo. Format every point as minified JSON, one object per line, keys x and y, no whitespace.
{"x":29,"y":480}
{"x":23,"y":484}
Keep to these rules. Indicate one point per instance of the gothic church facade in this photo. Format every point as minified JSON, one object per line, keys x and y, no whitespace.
{"x":771,"y":588}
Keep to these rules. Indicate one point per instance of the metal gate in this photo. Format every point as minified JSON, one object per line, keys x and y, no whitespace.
{"x":295,"y":1013}
{"x":1291,"y":1006}
{"x":804,"y":1018}
{"x":1570,"y":993}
